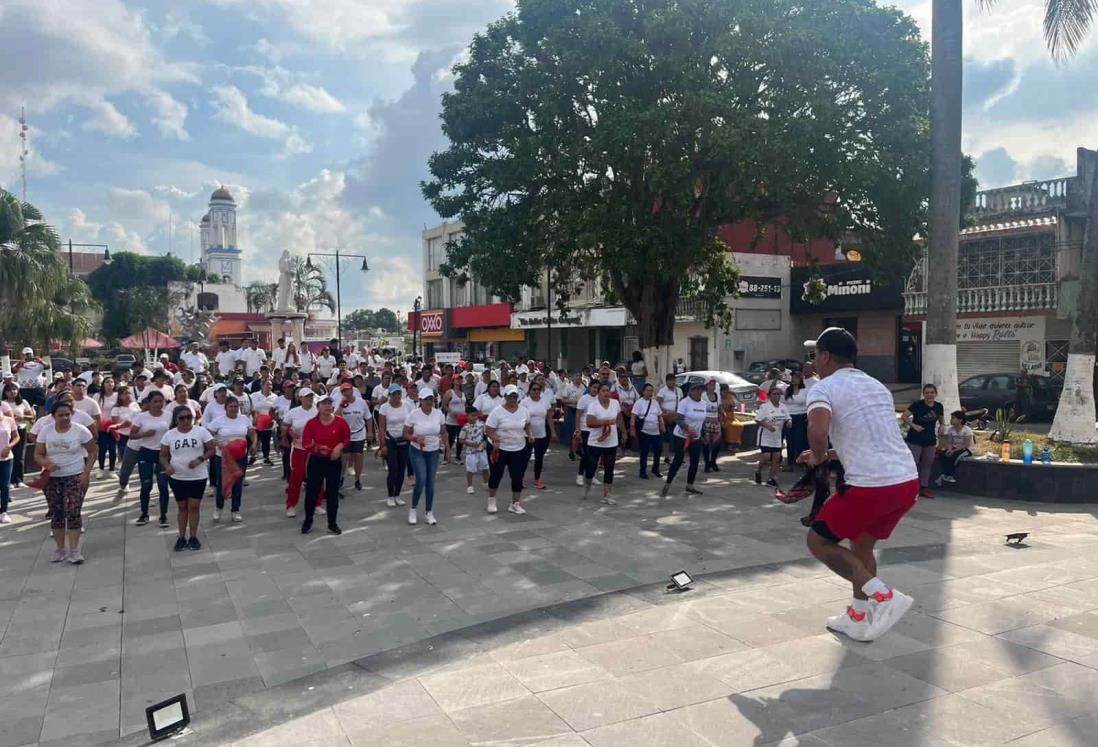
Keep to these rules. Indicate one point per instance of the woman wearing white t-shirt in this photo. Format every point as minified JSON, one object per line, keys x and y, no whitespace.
{"x":122,"y":415}
{"x":9,"y":439}
{"x":772,"y":418}
{"x":686,"y":440}
{"x":490,"y":400}
{"x":293,"y":427}
{"x":586,"y":397}
{"x":393,"y":445}
{"x":648,"y":430}
{"x":669,"y":397}
{"x":356,"y":411}
{"x":425,"y":431}
{"x":67,"y":451}
{"x":234,"y":425}
{"x":453,"y":404}
{"x":184,"y":451}
{"x":509,"y":431}
{"x":23,"y":413}
{"x":712,"y":432}
{"x":106,"y":398}
{"x":604,"y":419}
{"x":540,"y":408}
{"x":263,"y":405}
{"x":146,"y":431}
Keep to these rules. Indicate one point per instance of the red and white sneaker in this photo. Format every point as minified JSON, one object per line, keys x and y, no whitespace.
{"x":854,"y":625}
{"x":539,"y":485}
{"x":885,"y":610}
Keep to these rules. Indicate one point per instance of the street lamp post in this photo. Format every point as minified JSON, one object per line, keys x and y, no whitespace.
{"x":339,"y":296}
{"x":415,"y":324}
{"x":104,"y":247}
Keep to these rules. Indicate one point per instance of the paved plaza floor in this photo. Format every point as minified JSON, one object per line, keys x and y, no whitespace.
{"x":552,"y":628}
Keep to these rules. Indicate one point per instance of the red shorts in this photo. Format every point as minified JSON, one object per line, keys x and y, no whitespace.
{"x":873,"y":511}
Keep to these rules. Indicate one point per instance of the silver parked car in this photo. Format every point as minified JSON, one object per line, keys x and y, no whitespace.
{"x":745,"y":391}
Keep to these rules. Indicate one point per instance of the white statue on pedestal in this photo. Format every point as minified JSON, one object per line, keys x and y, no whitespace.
{"x":285,"y":272}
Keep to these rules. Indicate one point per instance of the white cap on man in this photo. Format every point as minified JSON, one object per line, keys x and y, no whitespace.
{"x":426,"y":392}
{"x":305,"y":392}
{"x":511,"y":391}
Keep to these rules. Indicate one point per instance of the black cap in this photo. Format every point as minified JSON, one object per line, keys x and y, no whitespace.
{"x":839,"y":343}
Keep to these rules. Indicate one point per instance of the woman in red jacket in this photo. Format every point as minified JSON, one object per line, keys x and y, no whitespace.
{"x":324,"y":439}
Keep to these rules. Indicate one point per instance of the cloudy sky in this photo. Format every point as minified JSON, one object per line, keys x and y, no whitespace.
{"x":319,"y":116}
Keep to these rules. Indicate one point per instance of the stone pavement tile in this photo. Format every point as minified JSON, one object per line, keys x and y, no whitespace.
{"x":732,"y":722}
{"x":1076,"y":732}
{"x":402,"y":701}
{"x":555,"y":670}
{"x":590,"y":633}
{"x":657,"y":730}
{"x":150,"y":626}
{"x":523,"y":721}
{"x":884,"y":648}
{"x":696,"y":642}
{"x":947,"y":669}
{"x":875,"y":731}
{"x":535,"y":645}
{"x":597,"y":704}
{"x":1032,"y":695}
{"x":656,"y":619}
{"x":436,"y":731}
{"x":278,"y":667}
{"x":566,"y":740}
{"x":261,"y":740}
{"x":84,"y":739}
{"x":951,"y":593}
{"x":961,"y":721}
{"x":26,"y":672}
{"x":1002,"y":615}
{"x":16,"y":731}
{"x":220,"y":662}
{"x":745,"y":670}
{"x":322,"y":724}
{"x":87,"y":673}
{"x":629,"y":655}
{"x":217,"y":693}
{"x":882,"y":687}
{"x":1084,"y":623}
{"x":1064,"y":596}
{"x":213,"y":634}
{"x":802,"y":705}
{"x":1055,"y":641}
{"x":479,"y":685}
{"x":613,"y":582}
{"x":816,"y":655}
{"x":752,"y":628}
{"x":675,"y":686}
{"x":1009,"y":658}
{"x":278,"y":640}
{"x":81,"y":709}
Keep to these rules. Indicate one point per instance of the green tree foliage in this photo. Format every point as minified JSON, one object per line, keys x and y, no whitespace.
{"x":611,"y":138}
{"x":310,"y":287}
{"x":367,"y":319}
{"x":41,"y":302}
{"x":261,"y":296}
{"x":133,"y":288}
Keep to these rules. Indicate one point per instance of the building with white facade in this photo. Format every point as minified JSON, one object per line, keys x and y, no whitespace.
{"x":220,"y":257}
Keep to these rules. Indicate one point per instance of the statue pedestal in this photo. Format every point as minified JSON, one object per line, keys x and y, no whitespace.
{"x":287,"y":324}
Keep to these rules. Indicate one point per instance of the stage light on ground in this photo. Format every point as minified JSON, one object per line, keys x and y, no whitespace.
{"x":680,"y":581}
{"x":168,"y":717}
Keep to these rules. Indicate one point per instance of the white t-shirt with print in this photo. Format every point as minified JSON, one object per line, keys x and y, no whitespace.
{"x":427,"y":426}
{"x":864,"y":430}
{"x":690,"y":414}
{"x":66,"y":450}
{"x":610,"y":412}
{"x":184,"y":448}
{"x":777,"y":417}
{"x":125,"y":414}
{"x":510,"y":427}
{"x":356,"y":413}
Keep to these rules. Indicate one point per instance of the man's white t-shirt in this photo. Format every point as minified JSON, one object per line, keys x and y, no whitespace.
{"x":282,"y":406}
{"x":426,"y":426}
{"x":226,"y":361}
{"x":183,"y":448}
{"x":691,"y":414}
{"x":88,"y":406}
{"x":325,"y":364}
{"x":864,"y":430}
{"x":296,"y":419}
{"x":196,"y":361}
{"x":66,"y":450}
{"x":581,"y":409}
{"x":669,"y":398}
{"x":253,"y":359}
{"x":510,"y":427}
{"x":212,"y":412}
{"x":610,"y":412}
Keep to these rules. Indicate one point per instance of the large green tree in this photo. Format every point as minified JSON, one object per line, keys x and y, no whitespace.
{"x":40,"y":301}
{"x":610,"y":139}
{"x":310,"y":287}
{"x":367,"y":319}
{"x":133,"y":289}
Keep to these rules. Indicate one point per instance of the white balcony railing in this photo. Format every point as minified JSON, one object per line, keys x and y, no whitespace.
{"x":1002,"y":298}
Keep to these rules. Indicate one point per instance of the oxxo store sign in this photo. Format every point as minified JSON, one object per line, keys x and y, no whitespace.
{"x":432,"y":324}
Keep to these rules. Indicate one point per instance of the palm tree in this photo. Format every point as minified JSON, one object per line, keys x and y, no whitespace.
{"x":1066,"y":24}
{"x":260,"y":296}
{"x":310,"y":287}
{"x":42,"y":301}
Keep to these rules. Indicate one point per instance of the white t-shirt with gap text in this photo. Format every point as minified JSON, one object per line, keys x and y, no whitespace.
{"x":864,"y":430}
{"x":184,"y":448}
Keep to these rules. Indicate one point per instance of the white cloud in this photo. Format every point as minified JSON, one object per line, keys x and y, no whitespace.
{"x":10,"y":148}
{"x":79,"y":228}
{"x":233,"y":108}
{"x":176,"y":25}
{"x":74,"y":52}
{"x":171,"y":115}
{"x":136,"y":206}
{"x":174,"y":192}
{"x":313,"y":98}
{"x":107,"y":119}
{"x":284,"y":85}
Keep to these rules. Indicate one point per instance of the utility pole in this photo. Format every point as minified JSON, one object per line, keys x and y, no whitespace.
{"x":339,"y":294}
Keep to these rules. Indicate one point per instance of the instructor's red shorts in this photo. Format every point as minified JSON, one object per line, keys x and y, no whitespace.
{"x":858,"y":511}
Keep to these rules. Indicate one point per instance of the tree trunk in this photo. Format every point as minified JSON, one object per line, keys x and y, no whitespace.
{"x":1074,"y":421}
{"x":655,"y":315}
{"x":940,"y":353}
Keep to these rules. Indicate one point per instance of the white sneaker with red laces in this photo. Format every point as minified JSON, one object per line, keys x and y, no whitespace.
{"x":885,"y":610}
{"x":854,"y":625}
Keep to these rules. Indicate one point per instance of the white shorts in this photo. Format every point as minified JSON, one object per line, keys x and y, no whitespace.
{"x":476,"y":461}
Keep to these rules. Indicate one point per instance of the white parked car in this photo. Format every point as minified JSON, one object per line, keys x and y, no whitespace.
{"x":745,"y":391}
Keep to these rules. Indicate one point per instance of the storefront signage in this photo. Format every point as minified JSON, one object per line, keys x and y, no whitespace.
{"x":541,"y":319}
{"x":848,"y":286}
{"x":444,"y":358}
{"x":432,"y":323}
{"x":1000,"y":329}
{"x":752,"y":286}
{"x":612,"y":316}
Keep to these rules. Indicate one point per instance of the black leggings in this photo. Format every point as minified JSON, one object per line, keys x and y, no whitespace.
{"x":452,"y":432}
{"x":711,"y":451}
{"x":541,"y":445}
{"x":322,"y":473}
{"x":396,"y":457}
{"x":515,"y":463}
{"x":949,"y":461}
{"x":584,"y":435}
{"x":265,"y":444}
{"x":108,"y":447}
{"x":694,"y":452}
{"x":18,"y":458}
{"x":591,"y":456}
{"x":285,"y":463}
{"x":650,"y":443}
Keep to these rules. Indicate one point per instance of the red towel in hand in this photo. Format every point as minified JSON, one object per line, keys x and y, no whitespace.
{"x":230,"y":471}
{"x":605,"y":433}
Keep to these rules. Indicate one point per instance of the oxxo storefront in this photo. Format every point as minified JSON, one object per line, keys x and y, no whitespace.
{"x":478,"y":333}
{"x":869,"y":309}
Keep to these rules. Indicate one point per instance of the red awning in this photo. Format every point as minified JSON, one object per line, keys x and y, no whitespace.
{"x":488,"y":315}
{"x":150,"y":339}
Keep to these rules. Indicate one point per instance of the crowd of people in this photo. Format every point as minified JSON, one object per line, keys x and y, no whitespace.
{"x":197,"y":423}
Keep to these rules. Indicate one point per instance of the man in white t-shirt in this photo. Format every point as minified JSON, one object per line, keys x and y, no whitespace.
{"x":278,"y":355}
{"x":226,"y":359}
{"x":194,"y":358}
{"x":252,"y":357}
{"x":856,"y":412}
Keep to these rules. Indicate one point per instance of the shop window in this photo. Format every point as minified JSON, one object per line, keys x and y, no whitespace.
{"x":434,"y":294}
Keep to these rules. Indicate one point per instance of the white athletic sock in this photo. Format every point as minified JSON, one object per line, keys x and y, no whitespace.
{"x":875,"y":586}
{"x":860,"y":605}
